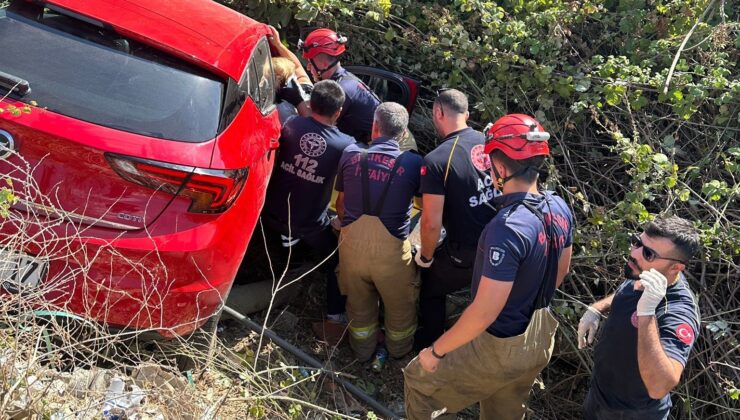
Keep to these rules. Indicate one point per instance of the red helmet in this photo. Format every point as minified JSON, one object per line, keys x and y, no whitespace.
{"x":322,"y":40}
{"x":519,"y":136}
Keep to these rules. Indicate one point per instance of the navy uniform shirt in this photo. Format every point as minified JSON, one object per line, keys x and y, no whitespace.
{"x":616,"y":383}
{"x":305,"y":169}
{"x":459,"y":169}
{"x":382,"y":155}
{"x":512,"y":248}
{"x":359,"y":106}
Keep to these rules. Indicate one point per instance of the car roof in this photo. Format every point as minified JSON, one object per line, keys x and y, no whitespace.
{"x":200,"y":31}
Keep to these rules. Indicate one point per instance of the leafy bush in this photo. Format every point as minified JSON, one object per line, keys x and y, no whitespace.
{"x":642,"y":100}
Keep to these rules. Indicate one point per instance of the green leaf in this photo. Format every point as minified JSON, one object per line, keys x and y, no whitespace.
{"x":660,"y":158}
{"x":390,"y":34}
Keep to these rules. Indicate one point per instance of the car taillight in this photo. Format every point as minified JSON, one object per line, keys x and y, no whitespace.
{"x":211,"y":190}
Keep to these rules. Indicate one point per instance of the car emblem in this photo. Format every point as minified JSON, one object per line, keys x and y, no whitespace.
{"x":7,"y":145}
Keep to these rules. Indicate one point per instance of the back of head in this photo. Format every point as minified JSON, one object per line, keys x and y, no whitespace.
{"x":284,"y":68}
{"x":327,"y":98}
{"x":452,"y":101}
{"x":391,"y":119}
{"x":520,"y":143}
{"x":680,"y":231}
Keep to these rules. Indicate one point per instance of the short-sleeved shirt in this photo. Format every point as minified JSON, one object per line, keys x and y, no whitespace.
{"x":512,"y":248}
{"x":359,"y":106}
{"x":616,"y":382}
{"x":304,"y":171}
{"x":382,"y":155}
{"x":459,"y":169}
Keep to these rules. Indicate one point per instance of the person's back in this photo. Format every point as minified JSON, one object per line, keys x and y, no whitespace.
{"x":382,"y":155}
{"x":357,"y":115}
{"x":299,"y":193}
{"x":301,"y":187}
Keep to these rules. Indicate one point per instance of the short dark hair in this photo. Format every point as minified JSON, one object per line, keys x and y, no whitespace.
{"x":452,"y":100}
{"x":327,"y":98}
{"x":392,"y":119}
{"x":534,"y":165}
{"x":680,"y":231}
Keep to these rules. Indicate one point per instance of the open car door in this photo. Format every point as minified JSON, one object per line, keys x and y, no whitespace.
{"x":388,"y":86}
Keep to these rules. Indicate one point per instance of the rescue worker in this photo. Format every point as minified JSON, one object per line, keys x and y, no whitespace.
{"x":377,"y":184}
{"x":652,"y":325}
{"x":456,"y":187}
{"x":301,"y":187}
{"x":323,"y":49}
{"x":496,"y":349}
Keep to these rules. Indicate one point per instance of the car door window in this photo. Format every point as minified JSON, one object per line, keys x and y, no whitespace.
{"x":262,"y":81}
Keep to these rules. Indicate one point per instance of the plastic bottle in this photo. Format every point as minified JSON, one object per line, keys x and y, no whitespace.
{"x":381,"y":356}
{"x":115,"y":392}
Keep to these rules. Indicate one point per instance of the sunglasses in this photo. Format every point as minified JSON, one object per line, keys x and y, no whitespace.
{"x":648,"y":253}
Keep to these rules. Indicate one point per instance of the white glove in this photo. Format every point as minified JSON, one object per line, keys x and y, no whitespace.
{"x":654,"y":287}
{"x":419,"y":262}
{"x":588,"y":326}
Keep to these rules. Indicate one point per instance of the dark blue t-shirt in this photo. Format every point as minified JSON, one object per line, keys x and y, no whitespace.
{"x":305,"y":171}
{"x":359,"y":106}
{"x":513,"y":248}
{"x":382,"y":155}
{"x":459,"y":169}
{"x":616,"y":383}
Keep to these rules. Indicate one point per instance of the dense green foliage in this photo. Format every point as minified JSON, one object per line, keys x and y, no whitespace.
{"x":642,"y":99}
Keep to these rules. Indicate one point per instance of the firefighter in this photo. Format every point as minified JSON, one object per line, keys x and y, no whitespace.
{"x":377,"y":184}
{"x":496,"y":349}
{"x":456,"y":187}
{"x":301,"y":186}
{"x":652,"y":326}
{"x":323,"y":49}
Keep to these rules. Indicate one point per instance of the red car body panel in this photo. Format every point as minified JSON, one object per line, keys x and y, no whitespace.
{"x":164,"y":267}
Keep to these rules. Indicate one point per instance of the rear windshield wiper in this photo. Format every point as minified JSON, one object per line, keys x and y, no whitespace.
{"x":15,"y":84}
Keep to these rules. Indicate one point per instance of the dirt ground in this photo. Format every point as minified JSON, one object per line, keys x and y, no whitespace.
{"x":293,"y":322}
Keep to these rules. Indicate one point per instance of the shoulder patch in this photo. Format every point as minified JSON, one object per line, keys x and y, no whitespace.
{"x":313,"y":144}
{"x":685,"y":333}
{"x":480,"y":159}
{"x":496,"y":255}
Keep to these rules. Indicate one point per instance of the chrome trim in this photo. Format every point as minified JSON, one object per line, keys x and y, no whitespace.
{"x":70,"y":216}
{"x":7,"y":144}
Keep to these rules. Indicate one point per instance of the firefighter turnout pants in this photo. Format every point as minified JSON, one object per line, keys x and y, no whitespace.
{"x":374,"y":265}
{"x":497,"y":372}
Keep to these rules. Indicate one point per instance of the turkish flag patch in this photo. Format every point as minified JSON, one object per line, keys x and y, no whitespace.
{"x":423,"y":170}
{"x":685,"y":333}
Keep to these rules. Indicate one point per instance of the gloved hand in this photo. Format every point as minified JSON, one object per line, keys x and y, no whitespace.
{"x":293,"y":92}
{"x":588,"y":326}
{"x":419,"y":262}
{"x":654,"y":285}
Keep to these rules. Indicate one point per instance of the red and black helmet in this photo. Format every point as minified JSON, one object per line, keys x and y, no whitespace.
{"x":322,"y":40}
{"x":518,"y":136}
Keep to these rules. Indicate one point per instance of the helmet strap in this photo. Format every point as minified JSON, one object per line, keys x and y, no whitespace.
{"x":501,"y":181}
{"x":321,"y":71}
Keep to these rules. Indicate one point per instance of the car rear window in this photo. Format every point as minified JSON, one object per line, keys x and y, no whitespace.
{"x":92,"y":74}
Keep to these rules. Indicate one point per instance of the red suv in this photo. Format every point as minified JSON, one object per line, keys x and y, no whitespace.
{"x":141,"y":168}
{"x":138,"y":136}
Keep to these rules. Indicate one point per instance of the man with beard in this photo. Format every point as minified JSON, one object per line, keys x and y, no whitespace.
{"x":652,"y":326}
